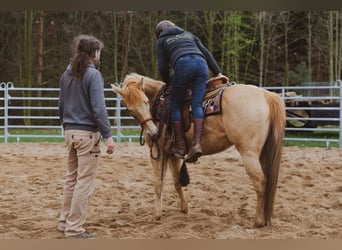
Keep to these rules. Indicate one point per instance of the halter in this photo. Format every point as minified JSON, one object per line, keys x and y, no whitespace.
{"x":141,"y":140}
{"x":154,"y":141}
{"x":145,"y":121}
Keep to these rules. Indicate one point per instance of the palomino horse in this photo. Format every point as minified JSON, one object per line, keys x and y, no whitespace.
{"x":252,"y":119}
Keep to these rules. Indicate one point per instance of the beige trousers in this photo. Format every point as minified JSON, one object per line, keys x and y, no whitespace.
{"x":83,"y":155}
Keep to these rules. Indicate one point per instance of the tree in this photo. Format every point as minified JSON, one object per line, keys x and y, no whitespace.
{"x":258,"y":47}
{"x":40,"y":53}
{"x":26,"y":74}
{"x":261,"y":16}
{"x":285,"y":17}
{"x":309,"y":15}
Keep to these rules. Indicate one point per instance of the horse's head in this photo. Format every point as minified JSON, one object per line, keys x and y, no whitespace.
{"x":137,"y":103}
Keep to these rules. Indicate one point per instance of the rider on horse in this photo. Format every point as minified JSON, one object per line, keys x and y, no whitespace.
{"x":190,"y":60}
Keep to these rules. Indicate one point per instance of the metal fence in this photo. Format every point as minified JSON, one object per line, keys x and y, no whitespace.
{"x":314,"y":108}
{"x":36,"y":109}
{"x":310,"y":109}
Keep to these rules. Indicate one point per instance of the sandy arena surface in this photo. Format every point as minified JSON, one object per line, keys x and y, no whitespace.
{"x":220,"y":195}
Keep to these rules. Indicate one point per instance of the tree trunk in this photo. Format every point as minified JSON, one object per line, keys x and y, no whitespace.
{"x":331,"y":46}
{"x":309,"y":45}
{"x":40,"y":54}
{"x":261,"y":15}
{"x":126,"y":41}
{"x":28,"y":60}
{"x":209,"y":22}
{"x":286,"y":45}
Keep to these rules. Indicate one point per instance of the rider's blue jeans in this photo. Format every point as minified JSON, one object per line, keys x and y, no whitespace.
{"x":189,"y":70}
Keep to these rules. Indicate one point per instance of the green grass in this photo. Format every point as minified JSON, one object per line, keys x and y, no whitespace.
{"x":312,"y":135}
{"x":311,"y":144}
{"x":51,"y":135}
{"x":46,"y":133}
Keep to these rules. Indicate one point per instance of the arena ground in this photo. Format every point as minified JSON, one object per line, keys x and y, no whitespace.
{"x":220,"y":195}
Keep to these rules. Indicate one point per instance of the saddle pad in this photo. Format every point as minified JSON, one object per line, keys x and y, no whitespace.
{"x":212,"y":105}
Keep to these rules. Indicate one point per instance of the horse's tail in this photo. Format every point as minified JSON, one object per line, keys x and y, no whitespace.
{"x":271,"y":152}
{"x":184,"y":178}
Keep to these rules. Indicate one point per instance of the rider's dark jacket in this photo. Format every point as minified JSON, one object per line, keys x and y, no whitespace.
{"x":174,"y":43}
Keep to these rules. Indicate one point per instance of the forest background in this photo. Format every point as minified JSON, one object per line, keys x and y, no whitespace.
{"x":264,"y":48}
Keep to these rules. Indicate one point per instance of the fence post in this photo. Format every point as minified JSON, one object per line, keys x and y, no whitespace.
{"x":6,"y":86}
{"x":283,"y":93}
{"x":118,"y":118}
{"x":339,"y":82}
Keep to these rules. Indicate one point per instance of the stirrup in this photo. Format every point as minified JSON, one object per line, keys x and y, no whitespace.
{"x":176,"y":153}
{"x":180,"y":156}
{"x":193,"y":158}
{"x":193,"y":154}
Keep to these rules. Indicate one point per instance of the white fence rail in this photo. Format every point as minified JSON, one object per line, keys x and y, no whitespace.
{"x":316,"y":109}
{"x":22,"y":109}
{"x":310,"y":109}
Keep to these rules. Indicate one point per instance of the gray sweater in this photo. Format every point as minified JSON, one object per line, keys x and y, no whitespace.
{"x":81,"y":102}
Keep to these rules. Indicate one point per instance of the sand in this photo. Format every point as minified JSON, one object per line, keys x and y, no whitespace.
{"x":221,"y":198}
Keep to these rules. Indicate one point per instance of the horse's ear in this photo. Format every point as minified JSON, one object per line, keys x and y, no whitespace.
{"x":141,"y":83}
{"x":117,"y":89}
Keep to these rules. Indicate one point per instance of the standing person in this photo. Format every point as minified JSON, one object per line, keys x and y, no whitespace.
{"x":84,"y":117}
{"x":190,"y":60}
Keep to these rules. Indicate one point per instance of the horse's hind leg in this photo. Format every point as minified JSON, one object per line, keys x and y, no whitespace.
{"x":174,"y":164}
{"x":254,"y":170}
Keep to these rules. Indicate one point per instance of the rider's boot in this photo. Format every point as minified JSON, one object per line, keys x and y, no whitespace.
{"x":178,"y":147}
{"x":196,"y":149}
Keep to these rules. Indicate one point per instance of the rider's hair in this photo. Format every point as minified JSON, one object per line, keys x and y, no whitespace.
{"x":162,"y":25}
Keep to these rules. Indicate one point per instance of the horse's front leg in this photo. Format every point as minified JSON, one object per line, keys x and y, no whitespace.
{"x":174,"y":164}
{"x":159,"y":170}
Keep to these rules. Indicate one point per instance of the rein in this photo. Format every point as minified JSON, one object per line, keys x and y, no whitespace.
{"x":154,"y":141}
{"x":161,"y":93}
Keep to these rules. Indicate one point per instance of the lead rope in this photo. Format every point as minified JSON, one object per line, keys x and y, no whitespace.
{"x":154,"y":142}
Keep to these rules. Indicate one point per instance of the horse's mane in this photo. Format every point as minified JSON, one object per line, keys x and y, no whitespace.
{"x":131,"y":82}
{"x":135,"y":77}
{"x":132,"y":77}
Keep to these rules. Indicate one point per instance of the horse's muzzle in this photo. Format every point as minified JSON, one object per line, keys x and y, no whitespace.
{"x":151,"y":129}
{"x":153,"y":134}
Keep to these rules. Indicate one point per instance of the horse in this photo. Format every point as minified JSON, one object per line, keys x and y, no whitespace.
{"x":252,"y":119}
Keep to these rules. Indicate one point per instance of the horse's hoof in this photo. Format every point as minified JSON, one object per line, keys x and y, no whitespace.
{"x":258,"y":224}
{"x":184,"y":210}
{"x":157,"y":217}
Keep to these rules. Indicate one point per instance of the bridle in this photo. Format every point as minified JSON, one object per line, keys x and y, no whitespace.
{"x":153,"y":139}
{"x":145,"y":121}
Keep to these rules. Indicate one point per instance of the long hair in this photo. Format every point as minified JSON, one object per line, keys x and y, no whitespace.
{"x":84,"y":47}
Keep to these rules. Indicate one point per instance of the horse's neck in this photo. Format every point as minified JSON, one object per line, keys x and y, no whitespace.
{"x":151,"y":89}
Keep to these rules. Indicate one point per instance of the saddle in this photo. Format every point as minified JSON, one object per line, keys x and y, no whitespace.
{"x":211,"y":102}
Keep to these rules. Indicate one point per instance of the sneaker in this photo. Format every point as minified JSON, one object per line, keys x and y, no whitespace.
{"x":83,"y":235}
